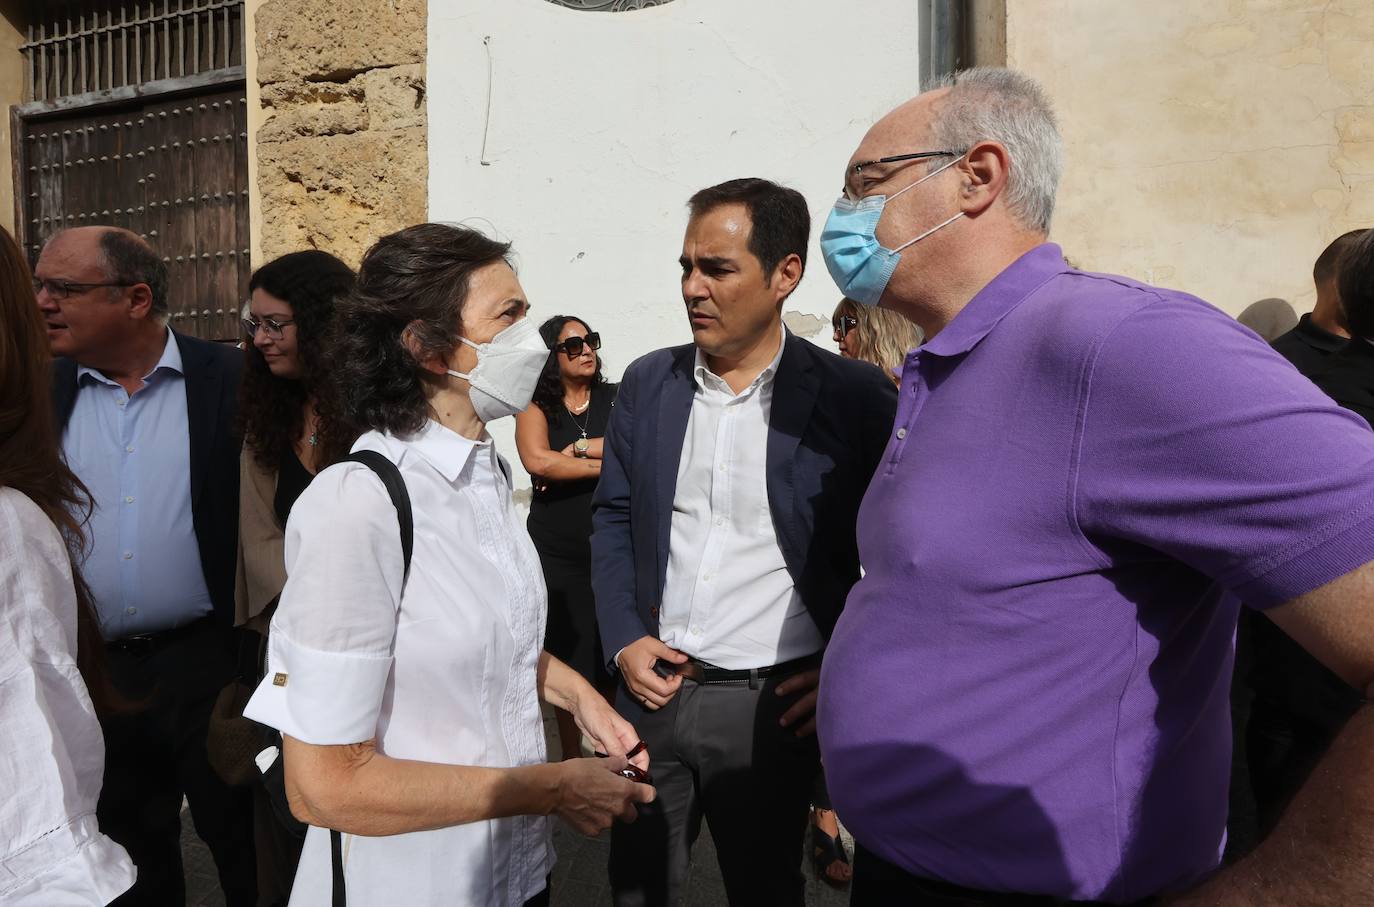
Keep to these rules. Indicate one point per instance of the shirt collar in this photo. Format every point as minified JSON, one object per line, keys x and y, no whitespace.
{"x":170,"y":359}
{"x":996,"y":300}
{"x":701,"y":369}
{"x":446,"y":450}
{"x":1318,"y":337}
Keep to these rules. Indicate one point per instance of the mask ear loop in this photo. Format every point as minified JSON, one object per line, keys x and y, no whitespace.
{"x":928,"y":232}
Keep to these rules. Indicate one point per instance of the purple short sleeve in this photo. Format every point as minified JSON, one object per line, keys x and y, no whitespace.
{"x":1214,"y":465}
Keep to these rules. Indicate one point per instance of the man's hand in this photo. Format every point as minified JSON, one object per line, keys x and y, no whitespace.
{"x":804,"y":709}
{"x":591,"y":795}
{"x":636,"y":663}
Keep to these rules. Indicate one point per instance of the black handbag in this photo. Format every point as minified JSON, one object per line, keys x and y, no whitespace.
{"x":274,"y":776}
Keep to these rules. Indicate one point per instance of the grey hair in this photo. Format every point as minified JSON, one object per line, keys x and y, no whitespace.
{"x":130,"y":260}
{"x":1000,"y":105}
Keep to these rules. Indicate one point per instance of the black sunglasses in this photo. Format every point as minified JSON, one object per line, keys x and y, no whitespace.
{"x":844,"y":324}
{"x":572,"y":347}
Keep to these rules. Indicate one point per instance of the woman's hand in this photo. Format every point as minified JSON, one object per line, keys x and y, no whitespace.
{"x":608,"y":732}
{"x":591,"y":795}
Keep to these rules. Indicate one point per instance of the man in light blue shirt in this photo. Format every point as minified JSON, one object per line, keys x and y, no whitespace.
{"x":142,"y":562}
{"x":147,"y":419}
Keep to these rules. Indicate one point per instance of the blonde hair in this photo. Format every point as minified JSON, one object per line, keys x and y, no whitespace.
{"x":880,"y":337}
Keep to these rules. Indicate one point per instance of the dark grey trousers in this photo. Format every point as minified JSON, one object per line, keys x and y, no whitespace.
{"x":716,"y":751}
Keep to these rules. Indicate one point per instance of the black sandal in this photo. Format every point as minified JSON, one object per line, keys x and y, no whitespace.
{"x":825,"y":851}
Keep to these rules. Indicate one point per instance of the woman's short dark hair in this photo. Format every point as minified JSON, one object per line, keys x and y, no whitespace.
{"x":1356,"y":284}
{"x":780,"y":220}
{"x":548,"y":393}
{"x":415,"y":279}
{"x":271,"y":409}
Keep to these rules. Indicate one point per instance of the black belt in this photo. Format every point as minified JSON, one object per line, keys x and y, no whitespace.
{"x":703,"y":672}
{"x":145,"y":644}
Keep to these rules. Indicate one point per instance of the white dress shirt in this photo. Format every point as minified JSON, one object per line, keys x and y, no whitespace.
{"x":52,"y":754}
{"x":728,"y":599}
{"x":442,"y":670}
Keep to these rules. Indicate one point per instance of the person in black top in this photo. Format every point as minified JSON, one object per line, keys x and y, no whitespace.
{"x":1348,"y":377}
{"x":1299,"y":705}
{"x":288,"y":320}
{"x":1321,"y":333}
{"x":559,"y":440}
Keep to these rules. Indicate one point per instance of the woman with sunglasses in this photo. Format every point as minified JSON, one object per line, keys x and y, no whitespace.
{"x":289,"y":318}
{"x":559,"y":440}
{"x":874,"y":335}
{"x":882,"y":338}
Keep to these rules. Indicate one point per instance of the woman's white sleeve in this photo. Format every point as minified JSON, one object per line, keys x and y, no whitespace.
{"x":331,"y":640}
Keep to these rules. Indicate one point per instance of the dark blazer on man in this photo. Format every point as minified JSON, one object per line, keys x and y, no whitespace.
{"x":211,"y":372}
{"x":828,"y":426}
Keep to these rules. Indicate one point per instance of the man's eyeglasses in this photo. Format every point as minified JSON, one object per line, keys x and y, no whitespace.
{"x":844,"y":324}
{"x":853,"y":182}
{"x":270,"y":325}
{"x":572,"y":347}
{"x":62,"y":289}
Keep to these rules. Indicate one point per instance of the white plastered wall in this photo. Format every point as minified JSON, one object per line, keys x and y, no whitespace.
{"x":580,"y":136}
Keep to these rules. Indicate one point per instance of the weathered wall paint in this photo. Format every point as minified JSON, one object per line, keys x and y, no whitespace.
{"x":581,"y":135}
{"x":1212,"y":147}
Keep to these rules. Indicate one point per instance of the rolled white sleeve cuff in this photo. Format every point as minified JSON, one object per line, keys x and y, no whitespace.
{"x":324,"y":698}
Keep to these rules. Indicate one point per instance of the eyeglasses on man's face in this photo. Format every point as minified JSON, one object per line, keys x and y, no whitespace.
{"x":64,"y":289}
{"x":573,"y":346}
{"x":270,"y":325}
{"x":853,"y":177}
{"x":844,"y":324}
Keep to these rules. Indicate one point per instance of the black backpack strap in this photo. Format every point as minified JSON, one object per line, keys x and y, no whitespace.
{"x":336,"y":861}
{"x":396,"y":488}
{"x":400,"y":499}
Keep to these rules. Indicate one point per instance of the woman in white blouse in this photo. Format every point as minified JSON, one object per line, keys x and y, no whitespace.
{"x":52,"y":755}
{"x":409,"y":703}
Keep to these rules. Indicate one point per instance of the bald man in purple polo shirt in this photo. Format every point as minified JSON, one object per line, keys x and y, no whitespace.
{"x":1026,"y":694}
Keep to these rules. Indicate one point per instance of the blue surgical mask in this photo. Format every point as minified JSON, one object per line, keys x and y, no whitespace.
{"x":859,"y":264}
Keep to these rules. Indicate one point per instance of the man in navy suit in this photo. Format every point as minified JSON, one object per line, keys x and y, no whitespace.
{"x":723,"y":549}
{"x":147,"y":425}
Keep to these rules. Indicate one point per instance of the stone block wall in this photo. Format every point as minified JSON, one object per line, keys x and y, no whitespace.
{"x":342,"y":150}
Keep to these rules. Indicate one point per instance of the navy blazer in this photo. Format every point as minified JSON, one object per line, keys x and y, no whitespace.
{"x":211,"y":372}
{"x":828,"y":427}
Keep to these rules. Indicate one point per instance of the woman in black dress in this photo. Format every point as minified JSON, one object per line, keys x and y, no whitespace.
{"x":559,"y":439}
{"x":288,"y":319}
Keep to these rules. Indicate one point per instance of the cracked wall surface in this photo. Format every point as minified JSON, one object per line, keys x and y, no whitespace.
{"x":342,"y":141}
{"x":1211,"y":147}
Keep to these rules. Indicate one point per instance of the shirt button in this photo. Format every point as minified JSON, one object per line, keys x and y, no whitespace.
{"x":128,"y":499}
{"x":129,"y":449}
{"x":128,"y":555}
{"x":721,"y":467}
{"x":901,"y":433}
{"x":122,"y":402}
{"x":130,"y":610}
{"x":720,"y":521}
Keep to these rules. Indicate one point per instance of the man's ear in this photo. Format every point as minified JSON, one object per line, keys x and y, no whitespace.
{"x":431,"y":363}
{"x":140,"y":300}
{"x":983,"y":173}
{"x":787,"y":275}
